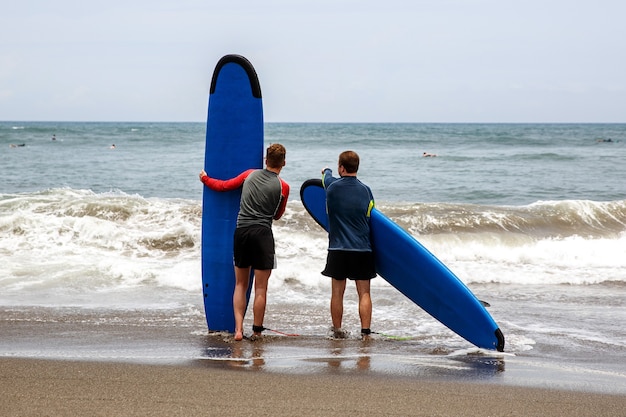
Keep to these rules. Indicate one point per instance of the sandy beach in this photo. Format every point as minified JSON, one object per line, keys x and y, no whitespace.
{"x":30,"y":387}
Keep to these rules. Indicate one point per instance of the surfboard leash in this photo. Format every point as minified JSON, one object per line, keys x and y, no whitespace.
{"x":390,"y":336}
{"x":279,"y":332}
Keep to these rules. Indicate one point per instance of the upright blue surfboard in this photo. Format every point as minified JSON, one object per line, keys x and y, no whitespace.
{"x":418,"y":274}
{"x":234,"y":143}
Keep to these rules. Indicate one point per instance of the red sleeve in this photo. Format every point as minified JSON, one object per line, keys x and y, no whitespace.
{"x":283,"y":200}
{"x":226,"y":185}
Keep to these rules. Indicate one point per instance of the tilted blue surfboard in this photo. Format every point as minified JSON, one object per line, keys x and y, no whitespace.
{"x":234,"y":143}
{"x":418,"y":274}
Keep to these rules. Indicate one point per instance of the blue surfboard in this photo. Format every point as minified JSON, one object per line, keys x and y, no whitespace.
{"x":234,"y":143}
{"x":418,"y":274}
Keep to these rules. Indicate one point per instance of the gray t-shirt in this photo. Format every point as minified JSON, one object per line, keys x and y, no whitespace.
{"x":261,"y":195}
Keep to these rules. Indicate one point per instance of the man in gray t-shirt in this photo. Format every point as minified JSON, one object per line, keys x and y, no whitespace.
{"x":263,"y":199}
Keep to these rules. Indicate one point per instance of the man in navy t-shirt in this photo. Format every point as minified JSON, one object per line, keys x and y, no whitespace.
{"x":349,"y":203}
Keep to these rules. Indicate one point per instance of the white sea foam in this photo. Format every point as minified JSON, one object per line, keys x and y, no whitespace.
{"x":75,"y":241}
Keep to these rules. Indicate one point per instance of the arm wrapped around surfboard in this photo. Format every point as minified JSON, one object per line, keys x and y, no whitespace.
{"x":225,"y":185}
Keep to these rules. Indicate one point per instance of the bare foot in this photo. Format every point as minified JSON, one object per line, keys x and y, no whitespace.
{"x":238,"y":335}
{"x":339,"y":333}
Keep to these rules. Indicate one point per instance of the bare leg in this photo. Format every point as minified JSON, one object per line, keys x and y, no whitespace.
{"x":261,"y":278}
{"x":242,"y":280}
{"x":336,"y":302}
{"x":365,"y":303}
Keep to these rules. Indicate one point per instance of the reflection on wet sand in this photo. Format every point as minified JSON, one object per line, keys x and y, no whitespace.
{"x":310,"y":354}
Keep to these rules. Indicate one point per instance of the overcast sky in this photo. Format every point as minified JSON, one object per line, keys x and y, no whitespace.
{"x":317,"y":61}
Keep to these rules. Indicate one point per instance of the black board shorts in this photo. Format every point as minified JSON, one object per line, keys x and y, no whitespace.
{"x":343,"y":264}
{"x":253,"y":246}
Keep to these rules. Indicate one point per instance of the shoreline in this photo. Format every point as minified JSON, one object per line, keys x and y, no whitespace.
{"x":60,"y":387}
{"x":178,"y":339}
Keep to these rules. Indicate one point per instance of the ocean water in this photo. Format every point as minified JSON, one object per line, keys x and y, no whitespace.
{"x":532,"y":217}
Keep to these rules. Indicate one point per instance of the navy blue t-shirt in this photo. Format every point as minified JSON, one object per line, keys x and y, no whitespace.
{"x":348,"y":203}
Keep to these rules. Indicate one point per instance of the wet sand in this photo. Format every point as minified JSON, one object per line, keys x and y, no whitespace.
{"x":61,"y":363}
{"x":31,"y":387}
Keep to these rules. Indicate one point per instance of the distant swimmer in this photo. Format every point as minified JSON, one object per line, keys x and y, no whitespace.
{"x":54,"y":137}
{"x":112,"y":146}
{"x":13,"y":145}
{"x":428,"y":155}
{"x":605,"y":140}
